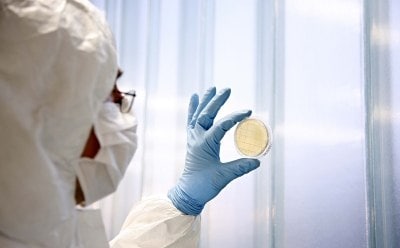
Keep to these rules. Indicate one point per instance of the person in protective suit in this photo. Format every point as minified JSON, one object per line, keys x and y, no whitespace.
{"x":66,"y":143}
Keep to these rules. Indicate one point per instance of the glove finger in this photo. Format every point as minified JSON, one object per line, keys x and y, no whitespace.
{"x":210,"y":93}
{"x":217,"y":132}
{"x":193,"y":104}
{"x":237,"y":168}
{"x":207,"y":116}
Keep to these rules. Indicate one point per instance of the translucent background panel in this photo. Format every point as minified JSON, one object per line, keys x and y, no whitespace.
{"x":324,"y":172}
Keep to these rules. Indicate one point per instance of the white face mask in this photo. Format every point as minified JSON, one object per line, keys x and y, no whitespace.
{"x":116,"y":133}
{"x":112,"y":121}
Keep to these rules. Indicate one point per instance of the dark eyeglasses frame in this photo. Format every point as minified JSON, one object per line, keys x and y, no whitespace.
{"x":131,"y":93}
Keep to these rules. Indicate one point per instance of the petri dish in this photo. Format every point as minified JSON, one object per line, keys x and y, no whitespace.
{"x":252,"y":138}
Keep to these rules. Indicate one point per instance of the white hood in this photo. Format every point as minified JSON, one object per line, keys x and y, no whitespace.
{"x":57,"y":66}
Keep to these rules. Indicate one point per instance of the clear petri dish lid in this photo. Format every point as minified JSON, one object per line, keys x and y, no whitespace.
{"x":252,"y":138}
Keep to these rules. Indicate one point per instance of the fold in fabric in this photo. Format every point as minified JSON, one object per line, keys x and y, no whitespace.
{"x":155,"y":222}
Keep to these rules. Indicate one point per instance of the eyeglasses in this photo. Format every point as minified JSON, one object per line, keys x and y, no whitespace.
{"x":127,"y":101}
{"x":124,"y":99}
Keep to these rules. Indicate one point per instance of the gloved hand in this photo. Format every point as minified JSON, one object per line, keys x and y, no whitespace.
{"x":205,"y":175}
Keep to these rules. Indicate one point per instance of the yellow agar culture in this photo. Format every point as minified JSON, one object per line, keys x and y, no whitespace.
{"x":252,"y":138}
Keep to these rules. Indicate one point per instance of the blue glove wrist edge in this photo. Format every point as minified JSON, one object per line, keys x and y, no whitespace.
{"x":184,"y":202}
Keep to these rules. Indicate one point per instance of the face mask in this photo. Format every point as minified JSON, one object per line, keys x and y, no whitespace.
{"x":116,"y":132}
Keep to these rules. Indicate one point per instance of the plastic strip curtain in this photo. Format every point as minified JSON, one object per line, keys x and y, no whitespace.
{"x":168,"y":50}
{"x":322,"y":73}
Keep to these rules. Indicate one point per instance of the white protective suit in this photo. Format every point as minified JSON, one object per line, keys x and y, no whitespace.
{"x":57,"y":66}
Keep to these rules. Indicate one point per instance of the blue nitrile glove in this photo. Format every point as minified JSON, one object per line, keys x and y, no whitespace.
{"x":205,"y":175}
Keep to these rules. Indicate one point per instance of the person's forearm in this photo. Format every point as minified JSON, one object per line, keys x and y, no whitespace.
{"x":155,"y":222}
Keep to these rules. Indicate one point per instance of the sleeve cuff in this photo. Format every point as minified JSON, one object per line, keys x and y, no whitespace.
{"x":184,"y":202}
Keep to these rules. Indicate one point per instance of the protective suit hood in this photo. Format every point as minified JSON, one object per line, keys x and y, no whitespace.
{"x":57,"y":66}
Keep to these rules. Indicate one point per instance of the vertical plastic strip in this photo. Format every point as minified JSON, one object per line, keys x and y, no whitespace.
{"x":207,"y":24}
{"x":269,"y":195}
{"x":377,"y":132}
{"x":151,"y":75}
{"x":278,"y":207}
{"x":206,"y":76}
{"x":265,"y":68}
{"x":369,"y":155}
